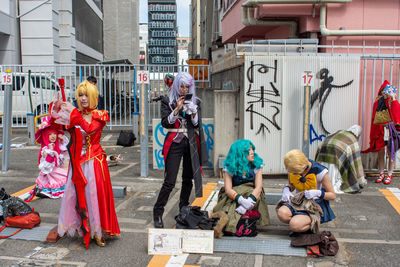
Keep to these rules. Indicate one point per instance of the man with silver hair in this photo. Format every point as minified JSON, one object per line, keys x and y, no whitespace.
{"x":181,"y":116}
{"x":340,"y":153}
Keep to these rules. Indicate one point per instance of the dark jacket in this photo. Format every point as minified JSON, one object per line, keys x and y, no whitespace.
{"x":198,"y":147}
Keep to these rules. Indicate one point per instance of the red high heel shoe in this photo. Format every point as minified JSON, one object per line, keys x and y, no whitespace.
{"x":380,"y":178}
{"x":388,"y":179}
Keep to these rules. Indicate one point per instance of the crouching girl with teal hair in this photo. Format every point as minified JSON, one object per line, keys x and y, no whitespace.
{"x":243,"y":190}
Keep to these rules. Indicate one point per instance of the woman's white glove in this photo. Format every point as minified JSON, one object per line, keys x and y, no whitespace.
{"x":189,"y":107}
{"x":286,"y":194}
{"x":241,"y":210}
{"x":247,"y":203}
{"x":312,"y":194}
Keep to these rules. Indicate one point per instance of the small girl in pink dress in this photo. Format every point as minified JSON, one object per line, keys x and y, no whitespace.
{"x":52,"y":177}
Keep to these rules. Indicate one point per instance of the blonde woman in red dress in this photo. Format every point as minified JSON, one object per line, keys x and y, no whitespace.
{"x":98,"y":196}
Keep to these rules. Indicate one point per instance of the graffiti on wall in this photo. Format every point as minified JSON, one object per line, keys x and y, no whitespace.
{"x":266,"y":96}
{"x":314,"y":136}
{"x":323,"y":92}
{"x":159,"y":136}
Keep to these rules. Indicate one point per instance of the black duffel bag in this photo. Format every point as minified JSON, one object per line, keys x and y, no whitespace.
{"x":126,"y":138}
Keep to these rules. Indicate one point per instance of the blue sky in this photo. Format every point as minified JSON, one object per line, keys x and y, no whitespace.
{"x":182,"y":15}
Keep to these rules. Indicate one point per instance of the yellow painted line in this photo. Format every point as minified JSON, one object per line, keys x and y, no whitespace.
{"x":23,"y":191}
{"x":162,"y":260}
{"x":159,"y":260}
{"x":207,"y":190}
{"x":393,"y":200}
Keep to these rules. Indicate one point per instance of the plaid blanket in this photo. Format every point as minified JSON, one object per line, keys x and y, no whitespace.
{"x":342,"y":149}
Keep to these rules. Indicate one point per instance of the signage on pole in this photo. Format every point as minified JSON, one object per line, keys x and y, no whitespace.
{"x":6,"y":78}
{"x":142,"y":76}
{"x":307,"y":79}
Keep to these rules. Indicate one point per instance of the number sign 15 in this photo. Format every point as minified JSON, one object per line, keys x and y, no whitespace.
{"x":142,"y":77}
{"x":6,"y":78}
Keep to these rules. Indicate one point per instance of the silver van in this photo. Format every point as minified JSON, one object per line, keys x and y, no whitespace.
{"x":33,"y":97}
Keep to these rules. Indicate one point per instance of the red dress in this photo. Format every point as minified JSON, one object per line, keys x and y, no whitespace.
{"x":93,"y":156}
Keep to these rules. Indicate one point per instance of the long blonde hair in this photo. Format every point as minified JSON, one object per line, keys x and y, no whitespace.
{"x":295,"y":161}
{"x":89,"y":89}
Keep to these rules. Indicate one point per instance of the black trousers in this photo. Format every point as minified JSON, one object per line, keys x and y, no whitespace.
{"x":175,"y":154}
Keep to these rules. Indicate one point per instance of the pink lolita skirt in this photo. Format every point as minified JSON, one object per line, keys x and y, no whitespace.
{"x":53,"y":184}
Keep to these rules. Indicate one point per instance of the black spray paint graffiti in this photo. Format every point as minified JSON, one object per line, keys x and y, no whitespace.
{"x":323,"y":92}
{"x":263,"y":96}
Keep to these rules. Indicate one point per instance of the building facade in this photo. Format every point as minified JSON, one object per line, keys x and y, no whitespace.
{"x":121,"y":30}
{"x":162,"y":48}
{"x":183,"y":46}
{"x":51,"y":32}
{"x":143,"y":42}
{"x":350,"y":47}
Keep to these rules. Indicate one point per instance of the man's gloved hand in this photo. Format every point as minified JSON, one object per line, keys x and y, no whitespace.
{"x":241,"y":210}
{"x":247,"y":203}
{"x":286,"y":194}
{"x":312,"y":194}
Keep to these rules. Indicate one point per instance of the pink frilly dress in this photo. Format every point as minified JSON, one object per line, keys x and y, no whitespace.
{"x":52,"y":177}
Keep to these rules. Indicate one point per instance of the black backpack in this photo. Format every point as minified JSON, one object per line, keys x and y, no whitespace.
{"x":126,"y":138}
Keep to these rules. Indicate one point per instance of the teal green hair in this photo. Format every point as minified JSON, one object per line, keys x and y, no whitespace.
{"x":236,"y":162}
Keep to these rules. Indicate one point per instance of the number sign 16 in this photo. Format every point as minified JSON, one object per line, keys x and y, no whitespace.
{"x":142,"y":77}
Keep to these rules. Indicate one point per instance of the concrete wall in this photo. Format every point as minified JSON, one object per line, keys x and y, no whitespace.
{"x":226,"y":122}
{"x":67,"y":46}
{"x":121,"y":30}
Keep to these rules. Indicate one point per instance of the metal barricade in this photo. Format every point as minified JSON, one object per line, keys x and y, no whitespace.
{"x":35,"y":86}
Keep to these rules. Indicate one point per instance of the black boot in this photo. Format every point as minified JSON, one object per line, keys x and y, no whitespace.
{"x":158,"y":222}
{"x":3,"y":194}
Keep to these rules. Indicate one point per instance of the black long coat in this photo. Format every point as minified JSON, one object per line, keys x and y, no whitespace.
{"x":198,"y":156}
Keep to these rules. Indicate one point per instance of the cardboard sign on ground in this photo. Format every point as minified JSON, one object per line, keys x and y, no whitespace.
{"x":178,"y":241}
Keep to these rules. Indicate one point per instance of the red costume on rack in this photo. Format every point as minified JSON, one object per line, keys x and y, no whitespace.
{"x":376,"y":140}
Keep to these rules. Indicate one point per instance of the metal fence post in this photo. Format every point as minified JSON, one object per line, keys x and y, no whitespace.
{"x":144,"y":131}
{"x":7,"y":117}
{"x":30,"y":123}
{"x":306,"y":116}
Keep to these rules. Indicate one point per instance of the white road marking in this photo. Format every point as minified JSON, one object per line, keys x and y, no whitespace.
{"x":43,"y":262}
{"x":369,"y":241}
{"x":134,"y":230}
{"x":123,"y":169}
{"x":177,"y":261}
{"x":258,"y":261}
{"x":106,"y":138}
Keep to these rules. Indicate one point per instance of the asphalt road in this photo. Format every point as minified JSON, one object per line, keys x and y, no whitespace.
{"x":367,"y":225}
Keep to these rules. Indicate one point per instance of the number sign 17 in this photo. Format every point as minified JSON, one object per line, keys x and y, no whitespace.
{"x":142,"y":77}
{"x":307,"y":79}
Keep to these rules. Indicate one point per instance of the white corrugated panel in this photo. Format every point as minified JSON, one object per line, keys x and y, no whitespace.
{"x":274,"y":102}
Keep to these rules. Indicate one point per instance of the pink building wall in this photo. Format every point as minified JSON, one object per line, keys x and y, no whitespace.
{"x":357,"y":15}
